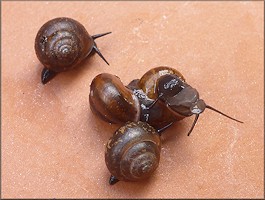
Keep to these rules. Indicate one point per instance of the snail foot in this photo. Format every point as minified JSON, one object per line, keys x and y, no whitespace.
{"x":113,"y":180}
{"x":47,"y":75}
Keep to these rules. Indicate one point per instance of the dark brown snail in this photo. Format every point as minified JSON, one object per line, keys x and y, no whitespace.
{"x":113,"y":102}
{"x":181,"y":98}
{"x":133,"y":152}
{"x":160,"y":116}
{"x":148,"y":81}
{"x":62,"y":44}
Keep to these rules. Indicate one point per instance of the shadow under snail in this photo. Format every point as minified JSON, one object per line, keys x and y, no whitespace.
{"x":133,"y":152}
{"x":62,"y":44}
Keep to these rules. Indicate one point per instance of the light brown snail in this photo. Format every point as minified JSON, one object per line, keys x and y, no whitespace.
{"x":133,"y":152}
{"x":62,"y":44}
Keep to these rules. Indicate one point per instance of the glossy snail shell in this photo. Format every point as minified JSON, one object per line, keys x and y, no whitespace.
{"x":133,"y":152}
{"x":62,"y":43}
{"x":159,"y":116}
{"x":112,"y":101}
{"x":148,"y":81}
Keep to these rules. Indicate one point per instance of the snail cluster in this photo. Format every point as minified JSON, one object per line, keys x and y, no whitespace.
{"x":145,"y":107}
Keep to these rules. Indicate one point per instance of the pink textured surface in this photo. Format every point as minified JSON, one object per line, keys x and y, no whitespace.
{"x":53,"y":146}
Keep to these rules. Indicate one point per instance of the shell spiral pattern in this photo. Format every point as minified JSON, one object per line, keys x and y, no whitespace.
{"x":133,"y":153}
{"x":62,"y":43}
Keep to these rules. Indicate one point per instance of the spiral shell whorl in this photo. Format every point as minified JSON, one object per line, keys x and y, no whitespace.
{"x":64,"y":47}
{"x":133,"y":153}
{"x":140,"y":160}
{"x":62,"y":43}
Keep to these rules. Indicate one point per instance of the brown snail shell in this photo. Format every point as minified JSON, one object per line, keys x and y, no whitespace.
{"x":62,"y":44}
{"x":148,"y":81}
{"x":159,"y":116}
{"x":133,"y":152}
{"x":149,"y":84}
{"x":112,"y":101}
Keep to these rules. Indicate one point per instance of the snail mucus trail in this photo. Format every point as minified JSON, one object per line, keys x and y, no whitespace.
{"x":182,"y":99}
{"x":62,"y":44}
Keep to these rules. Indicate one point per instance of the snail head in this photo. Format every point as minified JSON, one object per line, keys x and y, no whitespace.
{"x":182,"y":99}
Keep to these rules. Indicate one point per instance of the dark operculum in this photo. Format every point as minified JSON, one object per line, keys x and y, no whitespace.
{"x":186,"y":102}
{"x":169,"y":86}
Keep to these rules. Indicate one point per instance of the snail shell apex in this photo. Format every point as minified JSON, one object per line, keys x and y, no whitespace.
{"x":133,"y":152}
{"x":62,"y":43}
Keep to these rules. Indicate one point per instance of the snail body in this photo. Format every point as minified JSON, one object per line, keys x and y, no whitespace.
{"x":133,"y":152}
{"x":61,"y":44}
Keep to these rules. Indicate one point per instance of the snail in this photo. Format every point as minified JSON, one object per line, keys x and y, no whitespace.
{"x":112,"y":101}
{"x":115,"y":103}
{"x":133,"y":152}
{"x":182,"y":99}
{"x":62,"y":44}
{"x":161,"y":117}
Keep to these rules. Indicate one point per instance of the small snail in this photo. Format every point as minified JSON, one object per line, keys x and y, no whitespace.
{"x":112,"y":101}
{"x":160,"y":117}
{"x":115,"y":103}
{"x":62,"y":44}
{"x":181,"y":98}
{"x":133,"y":152}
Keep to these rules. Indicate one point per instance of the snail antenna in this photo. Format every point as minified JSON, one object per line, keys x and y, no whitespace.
{"x":154,"y":102}
{"x":211,"y":108}
{"x":194,"y":123}
{"x":99,"y":35}
{"x":159,"y":131}
{"x":113,"y":180}
{"x":47,"y":75}
{"x":99,"y":53}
